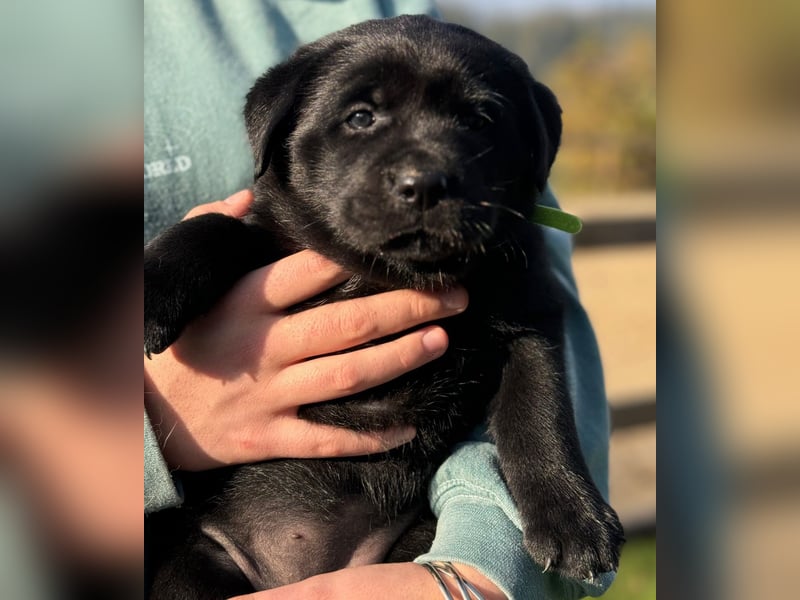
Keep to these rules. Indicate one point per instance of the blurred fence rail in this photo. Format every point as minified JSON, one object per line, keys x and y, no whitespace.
{"x":617,"y":231}
{"x":615,"y":263}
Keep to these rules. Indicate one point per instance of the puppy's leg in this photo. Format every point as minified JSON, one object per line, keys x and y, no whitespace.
{"x":415,"y":541}
{"x":199,"y":570}
{"x":567,"y":525}
{"x":189,"y":267}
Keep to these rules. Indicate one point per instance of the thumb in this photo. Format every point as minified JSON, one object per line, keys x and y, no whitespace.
{"x":236,"y":206}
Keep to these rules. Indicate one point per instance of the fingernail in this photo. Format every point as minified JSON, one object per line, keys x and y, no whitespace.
{"x":403,"y":435}
{"x":434,"y":340}
{"x":455,"y":298}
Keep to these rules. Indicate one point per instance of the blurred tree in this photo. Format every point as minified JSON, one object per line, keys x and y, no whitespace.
{"x":608,"y":95}
{"x":602,"y":67}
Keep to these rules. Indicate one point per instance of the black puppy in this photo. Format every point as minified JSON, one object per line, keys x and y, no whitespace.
{"x":411,"y":152}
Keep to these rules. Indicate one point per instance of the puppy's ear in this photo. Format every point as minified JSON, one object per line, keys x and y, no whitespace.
{"x":269,"y":112}
{"x":551,"y":116}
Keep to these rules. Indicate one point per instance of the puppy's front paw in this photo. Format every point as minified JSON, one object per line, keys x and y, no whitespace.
{"x":573,"y":532}
{"x":163,"y":320}
{"x":158,"y":337}
{"x":187,"y":269}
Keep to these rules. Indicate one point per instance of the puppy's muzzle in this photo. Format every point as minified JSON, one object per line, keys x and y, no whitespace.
{"x":419,"y":189}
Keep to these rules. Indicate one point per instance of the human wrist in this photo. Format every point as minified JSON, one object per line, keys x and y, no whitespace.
{"x":459,"y":581}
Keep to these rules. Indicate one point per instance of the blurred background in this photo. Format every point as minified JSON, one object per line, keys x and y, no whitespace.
{"x":727,"y":310}
{"x":729,"y":177}
{"x":599,"y":57}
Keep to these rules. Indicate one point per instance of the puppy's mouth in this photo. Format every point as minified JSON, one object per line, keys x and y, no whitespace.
{"x":416,"y":241}
{"x":423,"y":245}
{"x":441,"y":236}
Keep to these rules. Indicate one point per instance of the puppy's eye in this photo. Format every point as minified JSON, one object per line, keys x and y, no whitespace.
{"x":361,"y":119}
{"x":474,"y":120}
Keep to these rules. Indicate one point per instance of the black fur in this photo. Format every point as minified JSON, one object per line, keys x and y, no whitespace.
{"x":436,"y":187}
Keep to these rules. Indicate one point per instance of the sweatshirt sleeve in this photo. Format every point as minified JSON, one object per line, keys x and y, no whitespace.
{"x":480,"y":527}
{"x":478,"y":522}
{"x":160,"y":491}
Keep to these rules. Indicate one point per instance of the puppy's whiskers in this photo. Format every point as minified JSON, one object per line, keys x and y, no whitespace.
{"x":480,"y":154}
{"x":516,"y":245}
{"x":485,"y":228}
{"x":372,"y":266}
{"x":310,"y":224}
{"x":513,"y":245}
{"x":503,"y":207}
{"x":497,"y":99}
{"x":522,"y":251}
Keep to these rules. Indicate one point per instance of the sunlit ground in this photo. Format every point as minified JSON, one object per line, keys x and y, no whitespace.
{"x":636,"y":579}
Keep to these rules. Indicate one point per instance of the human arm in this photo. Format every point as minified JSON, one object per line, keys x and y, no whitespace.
{"x":409,"y":581}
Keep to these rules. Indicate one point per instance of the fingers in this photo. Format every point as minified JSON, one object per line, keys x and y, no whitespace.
{"x":342,"y":325}
{"x":288,"y":281}
{"x":303,"y":439}
{"x":236,"y":205}
{"x":330,"y":377}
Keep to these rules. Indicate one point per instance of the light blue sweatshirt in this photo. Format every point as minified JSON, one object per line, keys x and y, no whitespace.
{"x":200,"y":60}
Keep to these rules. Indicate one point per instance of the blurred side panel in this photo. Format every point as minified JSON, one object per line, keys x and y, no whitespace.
{"x":70,"y":305}
{"x":730,"y":169}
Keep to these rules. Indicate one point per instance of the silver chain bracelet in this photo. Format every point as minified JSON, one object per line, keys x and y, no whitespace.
{"x":439,"y":568}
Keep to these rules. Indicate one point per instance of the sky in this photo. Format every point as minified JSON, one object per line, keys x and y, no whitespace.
{"x":489,"y":7}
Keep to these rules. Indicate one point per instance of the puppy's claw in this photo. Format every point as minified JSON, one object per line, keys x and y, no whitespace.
{"x":574,"y":547}
{"x":158,"y":338}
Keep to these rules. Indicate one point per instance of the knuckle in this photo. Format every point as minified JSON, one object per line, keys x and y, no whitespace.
{"x":355,"y":322}
{"x":196,"y":211}
{"x":209,"y":207}
{"x":281,"y":329}
{"x":327,"y":445}
{"x":316,"y":263}
{"x":346,"y":379}
{"x":423,"y":306}
{"x":406,"y":357}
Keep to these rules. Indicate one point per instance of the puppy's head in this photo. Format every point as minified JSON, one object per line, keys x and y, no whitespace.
{"x":401,"y":145}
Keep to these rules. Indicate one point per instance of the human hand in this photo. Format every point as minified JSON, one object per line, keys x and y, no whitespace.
{"x":394,"y":580}
{"x":228,"y":391}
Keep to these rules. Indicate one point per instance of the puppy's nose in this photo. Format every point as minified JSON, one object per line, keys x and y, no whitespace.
{"x":423,"y":189}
